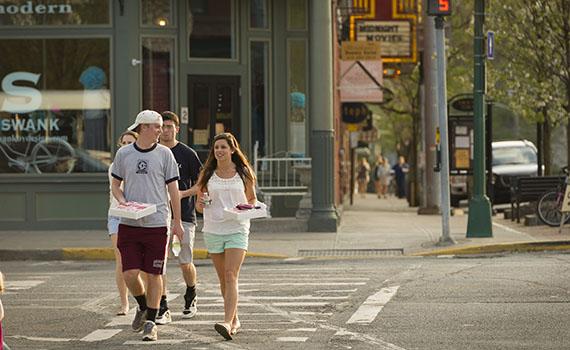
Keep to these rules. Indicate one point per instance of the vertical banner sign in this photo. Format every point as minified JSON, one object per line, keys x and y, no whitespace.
{"x":490,"y":45}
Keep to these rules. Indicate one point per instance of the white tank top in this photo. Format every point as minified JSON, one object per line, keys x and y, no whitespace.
{"x":224,"y":193}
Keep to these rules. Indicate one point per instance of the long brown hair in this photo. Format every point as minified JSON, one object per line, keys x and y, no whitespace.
{"x":238,"y":158}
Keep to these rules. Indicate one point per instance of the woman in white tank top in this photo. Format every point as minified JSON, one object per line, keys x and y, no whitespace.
{"x":229,"y":180}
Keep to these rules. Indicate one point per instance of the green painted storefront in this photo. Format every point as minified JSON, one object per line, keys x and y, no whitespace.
{"x":77,"y":75}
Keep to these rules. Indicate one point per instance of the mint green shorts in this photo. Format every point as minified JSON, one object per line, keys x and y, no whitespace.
{"x":218,"y":243}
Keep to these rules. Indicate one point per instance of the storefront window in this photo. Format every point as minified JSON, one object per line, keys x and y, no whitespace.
{"x":156,"y":13}
{"x":258,"y":18}
{"x":211,"y":24}
{"x":158,"y":73}
{"x":54,"y":12}
{"x":54,"y":105}
{"x":296,"y":14}
{"x":297,"y":62}
{"x":259,"y":63}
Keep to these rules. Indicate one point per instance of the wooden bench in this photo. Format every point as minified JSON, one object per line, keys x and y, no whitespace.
{"x":529,"y":189}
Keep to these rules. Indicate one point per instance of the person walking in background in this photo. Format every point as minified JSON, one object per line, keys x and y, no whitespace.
{"x":400,"y":170}
{"x":126,"y":138}
{"x":189,"y":166}
{"x":1,"y":311}
{"x":363,"y":176}
{"x":229,"y":180}
{"x":382,"y":176}
{"x":150,"y":175}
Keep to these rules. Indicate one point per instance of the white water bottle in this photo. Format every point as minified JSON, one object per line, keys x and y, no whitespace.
{"x":175,"y":245}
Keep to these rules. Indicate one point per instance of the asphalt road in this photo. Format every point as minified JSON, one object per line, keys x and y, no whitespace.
{"x":510,"y":302}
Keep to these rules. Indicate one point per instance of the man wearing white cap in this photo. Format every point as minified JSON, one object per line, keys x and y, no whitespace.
{"x":150,"y":173}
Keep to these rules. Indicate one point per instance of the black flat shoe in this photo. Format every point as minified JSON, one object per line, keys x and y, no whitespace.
{"x":223,"y":330}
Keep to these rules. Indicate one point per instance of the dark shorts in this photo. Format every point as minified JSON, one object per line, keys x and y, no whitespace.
{"x":143,"y":248}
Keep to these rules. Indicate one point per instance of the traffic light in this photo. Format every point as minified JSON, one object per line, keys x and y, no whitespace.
{"x":439,"y":7}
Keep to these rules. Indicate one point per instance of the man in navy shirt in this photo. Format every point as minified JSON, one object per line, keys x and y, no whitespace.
{"x":189,"y":166}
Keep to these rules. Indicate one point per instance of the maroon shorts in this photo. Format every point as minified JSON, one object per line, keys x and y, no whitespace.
{"x":143,"y":248}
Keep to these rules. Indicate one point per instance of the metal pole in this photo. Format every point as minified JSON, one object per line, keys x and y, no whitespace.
{"x":442,"y":113}
{"x":431,"y":183}
{"x":479,"y":223}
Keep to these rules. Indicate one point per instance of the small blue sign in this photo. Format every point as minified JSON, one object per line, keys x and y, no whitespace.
{"x":490,"y":45}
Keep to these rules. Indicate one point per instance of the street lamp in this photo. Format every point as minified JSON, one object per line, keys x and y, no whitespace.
{"x":479,"y":221}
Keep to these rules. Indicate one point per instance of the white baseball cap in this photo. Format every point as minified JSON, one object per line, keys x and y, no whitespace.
{"x":146,"y":117}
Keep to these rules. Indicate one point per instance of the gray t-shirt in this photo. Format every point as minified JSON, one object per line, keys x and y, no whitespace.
{"x":145,"y":173}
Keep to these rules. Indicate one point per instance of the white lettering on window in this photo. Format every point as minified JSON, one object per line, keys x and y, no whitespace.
{"x":28,"y":98}
{"x":29,"y":8}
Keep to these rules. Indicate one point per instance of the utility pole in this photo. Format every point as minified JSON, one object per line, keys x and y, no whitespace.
{"x":431,"y":184}
{"x":439,"y":9}
{"x":479,"y":222}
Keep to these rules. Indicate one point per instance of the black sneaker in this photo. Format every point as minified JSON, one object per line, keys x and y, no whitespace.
{"x":140,"y":317}
{"x":190,"y":308}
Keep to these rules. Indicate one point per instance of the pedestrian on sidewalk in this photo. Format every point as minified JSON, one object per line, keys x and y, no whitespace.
{"x":149,"y":173}
{"x":382,"y":176}
{"x":400,"y":170}
{"x":229,"y":180}
{"x":363,"y":176}
{"x":1,"y":311}
{"x":189,"y":166}
{"x":126,"y":138}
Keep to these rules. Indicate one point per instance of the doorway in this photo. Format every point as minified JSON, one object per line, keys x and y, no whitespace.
{"x":213,"y":107}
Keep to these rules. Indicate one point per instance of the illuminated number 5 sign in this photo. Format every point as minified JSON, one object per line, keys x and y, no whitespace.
{"x":439,"y":7}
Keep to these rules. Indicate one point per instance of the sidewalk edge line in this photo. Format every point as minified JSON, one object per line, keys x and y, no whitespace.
{"x":525,"y":246}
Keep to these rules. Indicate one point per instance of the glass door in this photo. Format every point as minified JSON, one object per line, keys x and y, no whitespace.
{"x":213,"y":108}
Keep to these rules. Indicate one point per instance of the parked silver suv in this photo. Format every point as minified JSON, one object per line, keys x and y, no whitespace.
{"x":510,"y":158}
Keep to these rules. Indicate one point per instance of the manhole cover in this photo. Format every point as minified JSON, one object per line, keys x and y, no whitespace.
{"x":351,"y":252}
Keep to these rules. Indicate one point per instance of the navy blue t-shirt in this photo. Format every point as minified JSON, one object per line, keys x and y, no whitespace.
{"x":189,"y":166}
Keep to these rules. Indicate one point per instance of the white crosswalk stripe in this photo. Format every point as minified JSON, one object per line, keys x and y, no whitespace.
{"x":288,"y":304}
{"x":22,"y":285}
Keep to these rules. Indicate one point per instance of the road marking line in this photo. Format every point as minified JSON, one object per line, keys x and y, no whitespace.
{"x":22,"y":285}
{"x":302,"y":330}
{"x":335,"y":290}
{"x":302,"y":297}
{"x":42,"y":339}
{"x":305,"y":279}
{"x":292,"y":339}
{"x":212,"y":322}
{"x":304,"y":284}
{"x":157,"y":342}
{"x":370,"y":308}
{"x":100,"y":334}
{"x":300,"y":304}
{"x":309,"y":313}
{"x":316,"y":269}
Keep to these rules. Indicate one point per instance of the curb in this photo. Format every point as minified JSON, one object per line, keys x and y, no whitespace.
{"x":97,"y":254}
{"x":526,"y":246}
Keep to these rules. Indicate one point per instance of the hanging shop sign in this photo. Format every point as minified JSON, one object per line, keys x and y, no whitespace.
{"x":361,"y":50}
{"x":395,"y":37}
{"x":361,"y":81}
{"x":354,"y":113}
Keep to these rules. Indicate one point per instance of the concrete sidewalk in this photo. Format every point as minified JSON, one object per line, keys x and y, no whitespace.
{"x":370,"y":227}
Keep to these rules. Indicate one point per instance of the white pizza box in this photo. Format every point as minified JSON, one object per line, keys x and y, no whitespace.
{"x":246,"y":214}
{"x":133,"y":210}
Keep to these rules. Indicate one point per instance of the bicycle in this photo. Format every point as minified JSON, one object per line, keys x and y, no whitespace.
{"x":50,"y":155}
{"x":549,"y":207}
